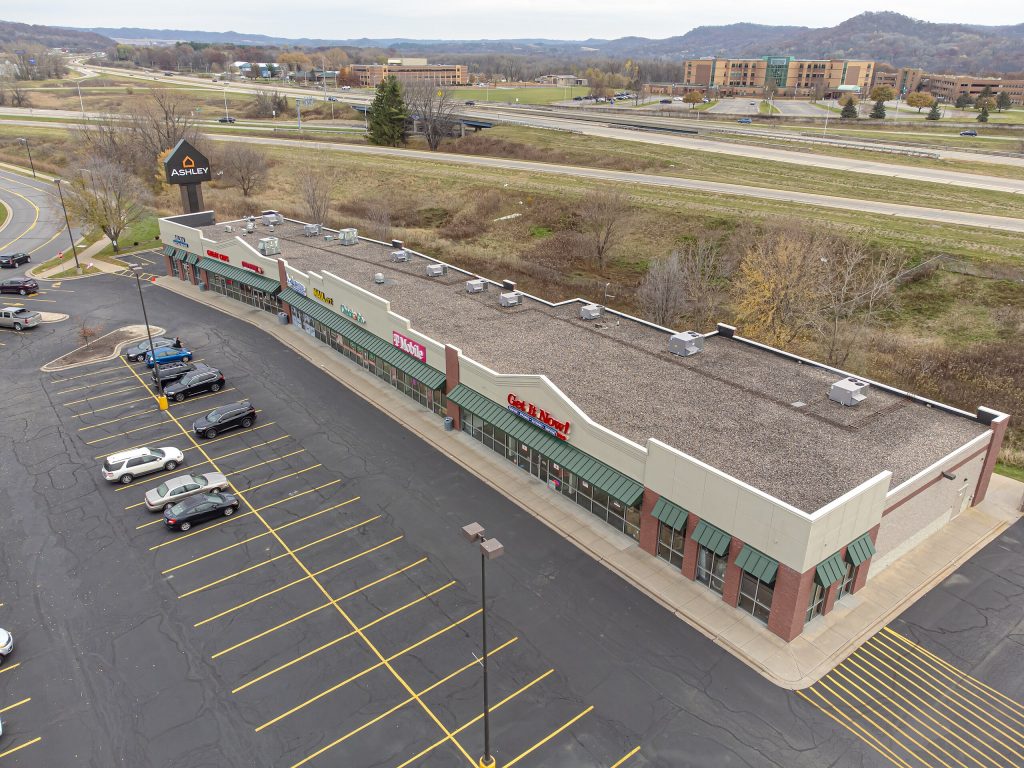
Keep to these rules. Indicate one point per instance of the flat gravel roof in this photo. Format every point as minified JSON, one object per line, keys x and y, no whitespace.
{"x":761,"y":417}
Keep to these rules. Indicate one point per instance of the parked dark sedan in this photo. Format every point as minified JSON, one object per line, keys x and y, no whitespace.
{"x":240,"y":414}
{"x":137,"y":352}
{"x":172,"y":372}
{"x":202,"y":379}
{"x":23,"y":286}
{"x":199,"y":508}
{"x":14,"y":259}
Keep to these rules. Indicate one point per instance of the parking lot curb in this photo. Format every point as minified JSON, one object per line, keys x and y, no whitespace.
{"x":54,"y":365}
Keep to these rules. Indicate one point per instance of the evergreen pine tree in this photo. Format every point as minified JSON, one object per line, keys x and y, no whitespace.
{"x":849,"y":109}
{"x":1003,"y":101}
{"x":933,"y":113}
{"x":387,"y":115}
{"x":878,"y":111}
{"x":963,"y":101}
{"x":983,"y":115}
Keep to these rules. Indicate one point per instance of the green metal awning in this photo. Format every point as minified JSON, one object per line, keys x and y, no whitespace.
{"x":239,"y":275}
{"x":601,"y":476}
{"x":757,"y":564}
{"x":431,"y":377}
{"x":169,"y":250}
{"x":671,"y":515}
{"x":191,"y":258}
{"x":830,"y":570}
{"x":713,"y":538}
{"x":860,"y":549}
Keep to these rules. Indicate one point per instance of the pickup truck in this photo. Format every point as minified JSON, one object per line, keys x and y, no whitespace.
{"x":18,"y":318}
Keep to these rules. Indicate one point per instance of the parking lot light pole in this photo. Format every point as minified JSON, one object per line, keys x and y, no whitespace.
{"x":490,"y":549}
{"x":161,"y":398}
{"x":71,"y":237}
{"x":29,"y":150}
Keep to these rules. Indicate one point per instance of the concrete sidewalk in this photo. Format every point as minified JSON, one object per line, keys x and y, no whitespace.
{"x":84,"y":257}
{"x":824,"y":643}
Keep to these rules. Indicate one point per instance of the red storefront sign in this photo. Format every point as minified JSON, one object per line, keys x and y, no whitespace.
{"x":409,"y":346}
{"x":538,"y":417}
{"x":254,"y":267}
{"x":215,"y":255}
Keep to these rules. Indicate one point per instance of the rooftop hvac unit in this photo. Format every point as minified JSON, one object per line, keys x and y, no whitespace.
{"x":510,"y":299}
{"x":379,"y":278}
{"x":400,"y":257}
{"x":590,"y":311}
{"x":476,"y":286}
{"x":250,"y":227}
{"x":436,"y":270}
{"x":348,"y":236}
{"x":228,"y":228}
{"x":686,"y":343}
{"x":329,"y":238}
{"x":848,"y":391}
{"x":272,"y":217}
{"x":311,"y":230}
{"x":508,"y":285}
{"x":397,"y":244}
{"x":268,"y":246}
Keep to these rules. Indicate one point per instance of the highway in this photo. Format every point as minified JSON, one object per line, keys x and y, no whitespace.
{"x":36,"y":222}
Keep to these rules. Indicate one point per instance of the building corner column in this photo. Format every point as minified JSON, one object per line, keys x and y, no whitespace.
{"x":998,"y":426}
{"x":690,"y":548}
{"x":861,"y":577}
{"x":733,"y":574}
{"x":789,"y":603}
{"x":648,"y":525}
{"x":168,"y":265}
{"x":451,"y":381}
{"x":282,"y":278}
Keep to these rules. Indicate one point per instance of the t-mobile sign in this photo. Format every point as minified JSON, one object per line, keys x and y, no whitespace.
{"x":409,"y":346}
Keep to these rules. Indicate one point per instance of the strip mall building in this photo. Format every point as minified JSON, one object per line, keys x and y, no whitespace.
{"x":725,"y":459}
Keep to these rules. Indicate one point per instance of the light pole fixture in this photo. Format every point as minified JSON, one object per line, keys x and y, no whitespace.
{"x":490,"y":549}
{"x":161,"y":398}
{"x":71,"y":237}
{"x":29,"y":150}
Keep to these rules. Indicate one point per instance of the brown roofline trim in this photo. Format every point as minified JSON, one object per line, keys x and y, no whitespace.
{"x":934,"y":480}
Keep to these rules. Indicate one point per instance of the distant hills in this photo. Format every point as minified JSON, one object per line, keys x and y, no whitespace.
{"x":886,"y":36}
{"x":13,"y":34}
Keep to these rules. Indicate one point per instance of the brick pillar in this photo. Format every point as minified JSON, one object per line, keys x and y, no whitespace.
{"x":832,"y":593}
{"x":998,"y":427}
{"x":861,"y":577}
{"x":282,"y":277}
{"x":789,"y":604}
{"x":690,"y":549}
{"x":203,"y":277}
{"x":733,"y":573}
{"x":648,"y":525}
{"x":168,"y":265}
{"x":451,"y":371}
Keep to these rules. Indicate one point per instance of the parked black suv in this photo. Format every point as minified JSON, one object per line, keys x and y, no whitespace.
{"x":20,"y":285}
{"x":202,"y":379}
{"x":240,"y":414}
{"x":14,"y":259}
{"x":171,"y":372}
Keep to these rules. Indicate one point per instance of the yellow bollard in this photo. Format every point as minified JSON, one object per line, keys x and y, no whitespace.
{"x":485,"y":763}
{"x":162,"y":402}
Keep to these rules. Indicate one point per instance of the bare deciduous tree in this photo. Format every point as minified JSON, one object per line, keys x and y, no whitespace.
{"x":245,"y":166}
{"x":604,"y":215}
{"x":107,"y":196}
{"x":88,"y":332}
{"x":162,"y":121}
{"x":662,"y":294}
{"x":20,"y":96}
{"x":688,"y":281}
{"x":378,"y":214}
{"x":316,"y":189}
{"x":432,"y":107}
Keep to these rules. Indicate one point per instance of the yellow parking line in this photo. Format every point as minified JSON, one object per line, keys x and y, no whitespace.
{"x":853,"y":727}
{"x":236,"y":517}
{"x":492,"y":709}
{"x":199,"y":397}
{"x":268,"y":461}
{"x":251,"y":447}
{"x":15,"y":704}
{"x":97,"y":384}
{"x":10,"y":668}
{"x":364,"y":672}
{"x":105,"y":394}
{"x":626,"y":756}
{"x":244,"y":491}
{"x":414,"y":697}
{"x":268,"y":561}
{"x":110,"y":407}
{"x":32,"y":298}
{"x":192,"y":448}
{"x":548,"y":738}
{"x":128,"y":488}
{"x":36,"y":740}
{"x":333,"y":642}
{"x":91,"y":373}
{"x":299,"y":581}
{"x":266,"y":533}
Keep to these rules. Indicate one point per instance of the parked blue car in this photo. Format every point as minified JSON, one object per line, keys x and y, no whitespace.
{"x":168,"y":355}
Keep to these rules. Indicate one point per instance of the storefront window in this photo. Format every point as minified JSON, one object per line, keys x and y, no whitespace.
{"x":670,"y":545}
{"x":756,"y":597}
{"x":711,"y":569}
{"x":817,"y":603}
{"x":244,"y":293}
{"x":846,"y":585}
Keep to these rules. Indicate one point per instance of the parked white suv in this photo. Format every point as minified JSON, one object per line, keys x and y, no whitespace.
{"x":6,"y":644}
{"x":126,"y":466}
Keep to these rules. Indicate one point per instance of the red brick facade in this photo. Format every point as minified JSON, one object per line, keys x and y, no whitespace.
{"x":451,"y":372}
{"x":648,"y":524}
{"x":995,"y":445}
{"x":789,"y":604}
{"x":733,"y":574}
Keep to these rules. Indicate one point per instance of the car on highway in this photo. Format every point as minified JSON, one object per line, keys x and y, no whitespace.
{"x":169,"y":355}
{"x":11,"y":260}
{"x":969,"y":132}
{"x":753,"y":103}
{"x":19,"y":318}
{"x":346,"y":87}
{"x":197,"y":509}
{"x":170,"y":492}
{"x":577,"y":98}
{"x":23,"y":286}
{"x":225,"y":417}
{"x":137,"y":352}
{"x":225,"y":119}
{"x":665,"y":101}
{"x":332,"y":98}
{"x":745,"y":120}
{"x":126,"y":466}
{"x":203,"y":379}
{"x":170,"y":372}
{"x":677,"y":98}
{"x":470,"y":103}
{"x":6,"y":644}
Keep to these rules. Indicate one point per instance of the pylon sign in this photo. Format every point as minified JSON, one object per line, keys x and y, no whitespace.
{"x":186,"y":165}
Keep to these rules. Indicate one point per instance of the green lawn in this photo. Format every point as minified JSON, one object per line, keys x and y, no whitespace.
{"x":702,"y":107}
{"x":539,"y":95}
{"x":3,"y":214}
{"x":1017,"y":473}
{"x":141,"y":235}
{"x":768,"y":109}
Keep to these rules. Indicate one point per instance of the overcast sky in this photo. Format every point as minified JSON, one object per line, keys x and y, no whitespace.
{"x":470,"y":19}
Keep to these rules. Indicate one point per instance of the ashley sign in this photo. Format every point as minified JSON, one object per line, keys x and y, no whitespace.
{"x":538,"y":417}
{"x":186,"y":165}
{"x":409,"y":346}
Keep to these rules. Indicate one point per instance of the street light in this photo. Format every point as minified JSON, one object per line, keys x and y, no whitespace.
{"x":161,"y":399}
{"x":29,"y":150}
{"x":81,"y":103}
{"x":490,"y":549}
{"x":71,"y":237}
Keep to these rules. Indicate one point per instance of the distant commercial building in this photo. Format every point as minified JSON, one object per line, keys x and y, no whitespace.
{"x":950,"y":87}
{"x":562,"y":81}
{"x":784,"y":75}
{"x":903,"y":81}
{"x":370,"y":75}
